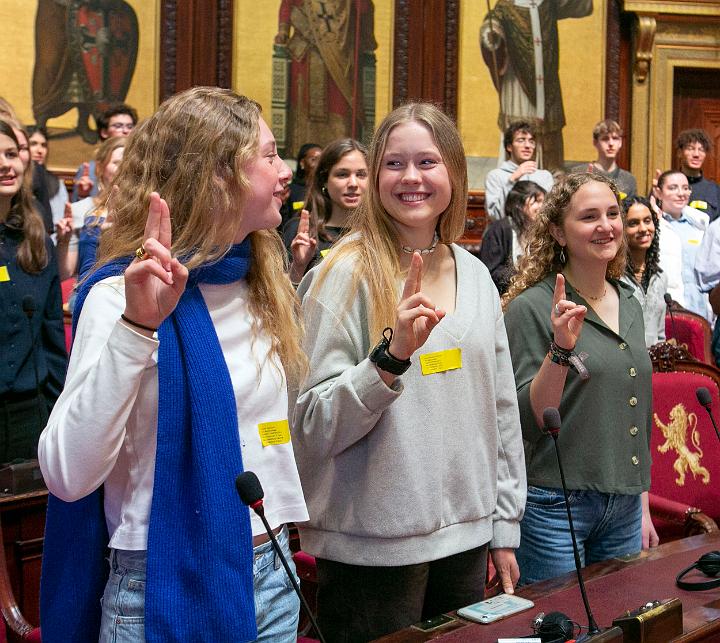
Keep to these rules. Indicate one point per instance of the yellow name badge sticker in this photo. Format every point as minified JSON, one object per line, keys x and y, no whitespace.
{"x":694,"y":242}
{"x":298,"y":205}
{"x":441,"y":361}
{"x":273,"y":433}
{"x":323,"y":253}
{"x":4,"y":274}
{"x":698,"y":205}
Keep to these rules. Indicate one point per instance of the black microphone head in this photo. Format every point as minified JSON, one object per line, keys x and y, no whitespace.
{"x":249,"y":488}
{"x":551,"y":419}
{"x":28,"y":305}
{"x":703,"y":396}
{"x":668,"y":298}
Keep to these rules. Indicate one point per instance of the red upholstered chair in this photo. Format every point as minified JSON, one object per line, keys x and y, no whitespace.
{"x":684,"y":447}
{"x":691,"y":330}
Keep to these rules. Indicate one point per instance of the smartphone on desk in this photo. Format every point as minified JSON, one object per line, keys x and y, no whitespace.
{"x":495,"y":608}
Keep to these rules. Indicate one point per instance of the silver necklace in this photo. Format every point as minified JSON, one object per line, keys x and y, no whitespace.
{"x":423,"y":251}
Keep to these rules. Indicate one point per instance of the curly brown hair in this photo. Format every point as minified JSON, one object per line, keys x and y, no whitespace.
{"x":542,"y":256}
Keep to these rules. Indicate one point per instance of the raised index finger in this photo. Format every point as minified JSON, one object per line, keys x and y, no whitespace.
{"x":152,"y":225}
{"x":304,"y":225}
{"x":559,"y":292}
{"x":412,"y":281}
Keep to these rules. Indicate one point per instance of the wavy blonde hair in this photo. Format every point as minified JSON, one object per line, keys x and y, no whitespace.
{"x":194,"y":152}
{"x":542,"y":255}
{"x":373,"y":240}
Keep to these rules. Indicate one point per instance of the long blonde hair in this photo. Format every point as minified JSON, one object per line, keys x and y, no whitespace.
{"x":373,"y":240}
{"x":542,"y":256}
{"x":194,"y":152}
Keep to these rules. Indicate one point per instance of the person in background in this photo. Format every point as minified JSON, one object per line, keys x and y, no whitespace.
{"x":336,"y":189}
{"x":519,"y":142}
{"x":79,"y":235}
{"x":568,"y":316}
{"x":409,"y":453}
{"x":117,"y":120}
{"x":177,"y":383}
{"x":683,"y":227}
{"x":643,"y":271}
{"x":307,"y":160}
{"x":693,"y":146}
{"x":57,"y":192}
{"x":608,"y":141}
{"x":31,"y":318}
{"x":504,"y":241}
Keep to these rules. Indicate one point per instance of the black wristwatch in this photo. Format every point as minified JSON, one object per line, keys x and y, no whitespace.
{"x":385,"y":359}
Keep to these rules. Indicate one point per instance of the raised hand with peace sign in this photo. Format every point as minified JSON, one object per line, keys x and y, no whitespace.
{"x":154,"y":283}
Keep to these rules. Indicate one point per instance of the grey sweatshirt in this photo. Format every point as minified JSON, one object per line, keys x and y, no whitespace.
{"x":498,"y":184}
{"x":428,"y":468}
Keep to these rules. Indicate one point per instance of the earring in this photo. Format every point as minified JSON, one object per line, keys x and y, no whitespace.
{"x":563,"y":259}
{"x":323,"y":189}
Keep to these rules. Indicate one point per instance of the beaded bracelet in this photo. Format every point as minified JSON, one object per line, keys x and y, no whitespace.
{"x":559,"y":355}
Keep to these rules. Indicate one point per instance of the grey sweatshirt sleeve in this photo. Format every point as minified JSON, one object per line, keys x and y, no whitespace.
{"x":497,"y":185}
{"x":343,"y":396}
{"x":511,"y":476}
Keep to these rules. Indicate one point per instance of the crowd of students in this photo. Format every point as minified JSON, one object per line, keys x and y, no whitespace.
{"x":384,"y":384}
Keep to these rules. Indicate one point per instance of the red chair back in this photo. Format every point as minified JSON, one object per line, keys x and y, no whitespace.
{"x":684,"y":447}
{"x":693,"y":331}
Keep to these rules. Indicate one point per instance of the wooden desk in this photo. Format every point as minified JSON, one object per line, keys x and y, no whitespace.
{"x":23,"y":528}
{"x":613,"y":587}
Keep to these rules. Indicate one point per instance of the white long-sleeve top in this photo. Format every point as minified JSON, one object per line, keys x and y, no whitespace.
{"x":103,"y":428}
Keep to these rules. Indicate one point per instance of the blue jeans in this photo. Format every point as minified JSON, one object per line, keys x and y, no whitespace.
{"x":606,"y":526}
{"x":276,"y":604}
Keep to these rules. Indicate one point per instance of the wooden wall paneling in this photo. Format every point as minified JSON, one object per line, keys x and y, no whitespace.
{"x":195,"y":44}
{"x":426,"y":52}
{"x":618,"y":73}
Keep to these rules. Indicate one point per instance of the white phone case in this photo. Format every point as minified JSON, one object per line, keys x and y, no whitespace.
{"x":495,"y":608}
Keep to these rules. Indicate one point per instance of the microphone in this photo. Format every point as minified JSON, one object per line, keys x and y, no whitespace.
{"x":668,"y":303}
{"x":703,"y":396}
{"x":551,"y":425}
{"x":251,"y":493}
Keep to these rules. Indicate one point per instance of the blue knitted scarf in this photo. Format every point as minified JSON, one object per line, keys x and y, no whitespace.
{"x":199,"y":558}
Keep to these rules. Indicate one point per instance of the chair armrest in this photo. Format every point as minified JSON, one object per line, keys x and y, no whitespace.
{"x":692,"y":519}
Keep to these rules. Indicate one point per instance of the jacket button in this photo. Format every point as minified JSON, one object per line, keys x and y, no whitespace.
{"x":633,"y":401}
{"x":635,"y":460}
{"x":633,"y":372}
{"x":622,"y":346}
{"x":633,"y":430}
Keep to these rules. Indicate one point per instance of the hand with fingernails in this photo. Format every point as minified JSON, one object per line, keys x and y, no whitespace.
{"x":526,"y":167}
{"x":64,"y":227}
{"x":566,"y":316}
{"x":84,"y":183}
{"x":155,"y":280}
{"x":416,"y":314}
{"x":302,"y":248}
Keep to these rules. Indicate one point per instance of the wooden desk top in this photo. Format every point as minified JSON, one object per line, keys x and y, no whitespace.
{"x":613,"y":587}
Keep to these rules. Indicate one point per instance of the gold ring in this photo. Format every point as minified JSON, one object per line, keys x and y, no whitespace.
{"x":141,"y":253}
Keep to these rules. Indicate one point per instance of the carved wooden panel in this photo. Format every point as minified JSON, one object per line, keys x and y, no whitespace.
{"x":425,"y":54}
{"x":195,"y":44}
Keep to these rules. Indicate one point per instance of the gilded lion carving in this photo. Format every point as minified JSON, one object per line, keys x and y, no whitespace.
{"x":675,"y":433}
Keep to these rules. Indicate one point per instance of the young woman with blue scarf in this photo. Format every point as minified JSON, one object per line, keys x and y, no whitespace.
{"x":185,"y":339}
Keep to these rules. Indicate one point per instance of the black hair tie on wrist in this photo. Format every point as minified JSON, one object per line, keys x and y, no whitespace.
{"x":136,"y":324}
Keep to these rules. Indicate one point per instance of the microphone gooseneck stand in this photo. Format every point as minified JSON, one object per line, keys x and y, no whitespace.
{"x":251,"y":493}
